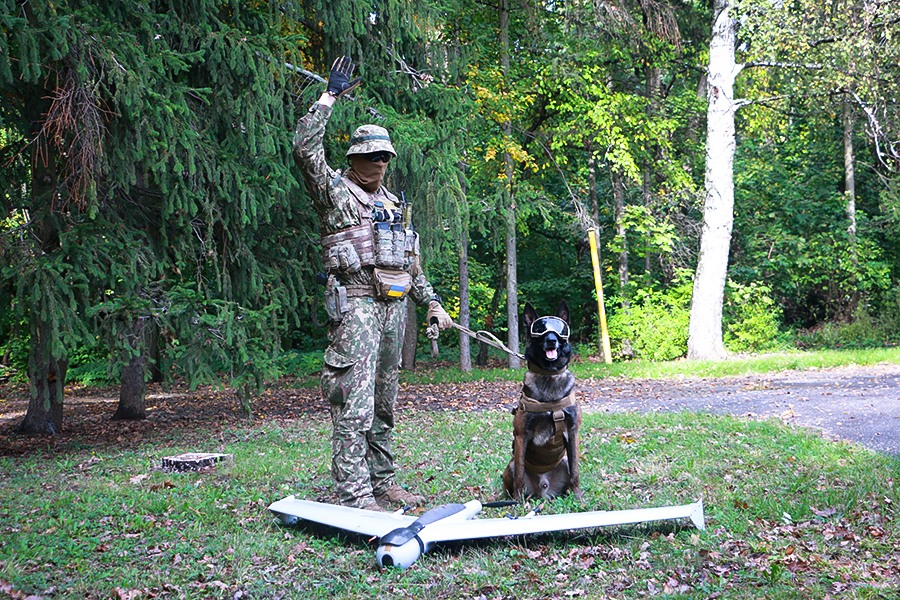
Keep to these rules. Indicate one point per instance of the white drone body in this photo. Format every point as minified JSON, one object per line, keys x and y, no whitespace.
{"x":403,"y":539}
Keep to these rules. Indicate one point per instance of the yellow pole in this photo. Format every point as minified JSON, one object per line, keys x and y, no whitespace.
{"x":601,"y":310}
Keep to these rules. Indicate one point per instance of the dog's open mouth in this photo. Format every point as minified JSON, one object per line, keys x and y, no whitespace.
{"x":551,"y":354}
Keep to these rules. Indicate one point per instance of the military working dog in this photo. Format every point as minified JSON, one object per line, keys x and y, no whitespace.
{"x":547,"y":418}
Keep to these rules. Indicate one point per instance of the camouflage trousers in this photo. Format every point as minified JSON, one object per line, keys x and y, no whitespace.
{"x":360,"y":380}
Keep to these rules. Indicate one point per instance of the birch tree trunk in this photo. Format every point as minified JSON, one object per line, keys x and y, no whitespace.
{"x":705,"y":330}
{"x":618,"y":186}
{"x":850,"y":177}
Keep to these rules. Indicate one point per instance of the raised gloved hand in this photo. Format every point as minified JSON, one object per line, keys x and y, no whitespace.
{"x":339,"y":82}
{"x":436,"y":311}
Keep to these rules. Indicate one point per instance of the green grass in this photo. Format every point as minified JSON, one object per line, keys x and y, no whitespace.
{"x":789,"y":515}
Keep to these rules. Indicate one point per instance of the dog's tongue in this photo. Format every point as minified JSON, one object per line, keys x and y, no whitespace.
{"x":551,"y":354}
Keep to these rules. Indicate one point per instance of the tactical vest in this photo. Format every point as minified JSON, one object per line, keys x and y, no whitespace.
{"x":379,"y":241}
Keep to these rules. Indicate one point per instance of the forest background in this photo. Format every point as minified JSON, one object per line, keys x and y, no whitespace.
{"x":154,"y":225}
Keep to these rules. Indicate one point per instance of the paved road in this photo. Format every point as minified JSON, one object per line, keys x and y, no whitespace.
{"x":860,"y":404}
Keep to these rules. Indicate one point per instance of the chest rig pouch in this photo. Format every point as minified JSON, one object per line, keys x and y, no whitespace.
{"x":392,"y":255}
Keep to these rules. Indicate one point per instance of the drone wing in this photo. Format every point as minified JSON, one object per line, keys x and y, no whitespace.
{"x":366,"y":522}
{"x":482,"y":528}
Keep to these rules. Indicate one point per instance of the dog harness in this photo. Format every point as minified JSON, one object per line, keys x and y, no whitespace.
{"x":541,"y":459}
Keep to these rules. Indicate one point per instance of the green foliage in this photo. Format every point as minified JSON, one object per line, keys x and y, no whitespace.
{"x":215,"y":337}
{"x":862,"y":331}
{"x":299,"y":364}
{"x":91,"y":374}
{"x":13,"y":341}
{"x":751,"y":320}
{"x":170,"y":170}
{"x":655,"y":325}
{"x":168,"y":195}
{"x":790,"y":227}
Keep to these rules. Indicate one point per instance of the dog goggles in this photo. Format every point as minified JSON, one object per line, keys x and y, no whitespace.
{"x":541,"y":326}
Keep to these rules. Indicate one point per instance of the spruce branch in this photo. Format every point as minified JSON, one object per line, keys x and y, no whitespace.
{"x":301,"y":71}
{"x":420,"y":79}
{"x":74,"y":127}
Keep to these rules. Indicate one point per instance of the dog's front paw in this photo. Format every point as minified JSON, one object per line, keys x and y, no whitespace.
{"x":579,"y":495}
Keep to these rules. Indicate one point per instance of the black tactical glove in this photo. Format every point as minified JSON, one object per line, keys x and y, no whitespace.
{"x":339,"y":82}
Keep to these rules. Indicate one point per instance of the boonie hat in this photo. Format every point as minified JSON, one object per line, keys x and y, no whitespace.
{"x":370,"y":138}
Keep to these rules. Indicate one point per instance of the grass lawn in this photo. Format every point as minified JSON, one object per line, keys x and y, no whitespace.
{"x":789,"y":515}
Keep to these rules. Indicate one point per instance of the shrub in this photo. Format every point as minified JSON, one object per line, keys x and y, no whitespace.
{"x":862,"y":331}
{"x":300,"y":364}
{"x":751,"y":318}
{"x":655,"y":326}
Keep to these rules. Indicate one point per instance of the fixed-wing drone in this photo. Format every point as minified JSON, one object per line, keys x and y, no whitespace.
{"x":403,"y":539}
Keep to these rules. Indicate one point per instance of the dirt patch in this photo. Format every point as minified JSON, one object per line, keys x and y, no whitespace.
{"x":857,"y":404}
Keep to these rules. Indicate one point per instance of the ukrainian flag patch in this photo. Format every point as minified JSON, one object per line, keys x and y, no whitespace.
{"x":395,"y":291}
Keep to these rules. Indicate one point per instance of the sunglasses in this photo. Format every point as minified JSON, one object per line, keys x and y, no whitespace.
{"x":378,"y":157}
{"x":541,"y":326}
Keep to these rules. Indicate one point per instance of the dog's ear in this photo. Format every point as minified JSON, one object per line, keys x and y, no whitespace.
{"x":530,"y":315}
{"x":562,"y":311}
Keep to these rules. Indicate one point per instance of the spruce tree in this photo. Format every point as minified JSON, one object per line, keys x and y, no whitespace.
{"x":151,"y":182}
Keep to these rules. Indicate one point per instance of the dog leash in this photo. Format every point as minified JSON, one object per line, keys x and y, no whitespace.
{"x":482,"y":336}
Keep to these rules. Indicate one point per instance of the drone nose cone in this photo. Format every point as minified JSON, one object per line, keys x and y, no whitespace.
{"x":400,"y":557}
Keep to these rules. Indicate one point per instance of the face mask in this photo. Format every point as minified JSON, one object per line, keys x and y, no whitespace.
{"x":366,"y":174}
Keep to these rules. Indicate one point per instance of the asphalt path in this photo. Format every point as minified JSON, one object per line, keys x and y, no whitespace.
{"x":857,"y":404}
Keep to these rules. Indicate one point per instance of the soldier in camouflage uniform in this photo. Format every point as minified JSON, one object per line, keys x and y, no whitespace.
{"x":372,"y":265}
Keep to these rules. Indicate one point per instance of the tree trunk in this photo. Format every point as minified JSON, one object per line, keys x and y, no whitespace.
{"x":410,"y":339}
{"x":47,"y":363}
{"x":850,"y":177}
{"x":482,"y":359}
{"x":465,"y":354}
{"x":653,"y":80}
{"x":619,"y":199}
{"x":47,"y":375}
{"x":154,"y":352}
{"x":705,"y":331}
{"x":592,"y":183}
{"x":512,"y":281}
{"x":133,"y":384}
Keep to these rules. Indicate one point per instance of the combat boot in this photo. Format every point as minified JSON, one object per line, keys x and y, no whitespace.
{"x":365,"y":503}
{"x":396,"y":495}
